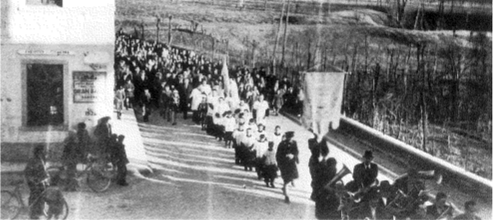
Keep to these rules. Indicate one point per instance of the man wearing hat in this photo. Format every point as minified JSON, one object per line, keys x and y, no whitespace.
{"x":365,"y":174}
{"x":287,"y":158}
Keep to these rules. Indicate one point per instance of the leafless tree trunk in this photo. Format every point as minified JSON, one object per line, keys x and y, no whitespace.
{"x":277,"y":38}
{"x":285,"y":37}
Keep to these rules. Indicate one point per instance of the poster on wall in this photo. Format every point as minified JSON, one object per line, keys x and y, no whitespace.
{"x":88,"y":86}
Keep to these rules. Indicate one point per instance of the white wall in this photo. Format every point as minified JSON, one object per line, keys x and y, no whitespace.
{"x":12,"y":89}
{"x":77,"y":22}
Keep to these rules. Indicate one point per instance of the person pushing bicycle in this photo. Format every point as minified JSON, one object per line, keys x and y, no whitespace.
{"x":37,"y":180}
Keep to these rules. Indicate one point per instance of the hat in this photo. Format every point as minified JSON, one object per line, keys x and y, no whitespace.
{"x":368,"y":154}
{"x":289,"y":134}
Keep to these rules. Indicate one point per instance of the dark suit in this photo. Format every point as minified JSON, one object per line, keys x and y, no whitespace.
{"x":365,"y":176}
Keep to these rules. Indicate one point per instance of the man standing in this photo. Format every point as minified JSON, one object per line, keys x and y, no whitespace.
{"x":37,"y":179}
{"x":365,"y":174}
{"x":287,"y":158}
{"x":103,"y":134}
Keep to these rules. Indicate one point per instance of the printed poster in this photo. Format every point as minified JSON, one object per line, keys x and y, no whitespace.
{"x":88,"y":86}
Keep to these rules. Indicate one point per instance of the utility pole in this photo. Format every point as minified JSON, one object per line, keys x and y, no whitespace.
{"x":158,"y":20}
{"x":285,"y":34}
{"x":169,"y":30}
{"x":277,"y":38}
{"x":142,"y":30}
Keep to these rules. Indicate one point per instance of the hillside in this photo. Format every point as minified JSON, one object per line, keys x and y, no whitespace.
{"x":395,"y":73}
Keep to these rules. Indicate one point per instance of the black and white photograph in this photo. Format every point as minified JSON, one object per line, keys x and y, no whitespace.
{"x":246,"y":109}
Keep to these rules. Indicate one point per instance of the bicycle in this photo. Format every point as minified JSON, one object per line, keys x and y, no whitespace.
{"x":13,"y":203}
{"x":98,"y":171}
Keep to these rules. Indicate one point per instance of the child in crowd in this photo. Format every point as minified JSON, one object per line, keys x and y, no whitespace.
{"x":270,"y":165}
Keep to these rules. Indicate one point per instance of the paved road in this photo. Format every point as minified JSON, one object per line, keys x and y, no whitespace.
{"x":206,"y":182}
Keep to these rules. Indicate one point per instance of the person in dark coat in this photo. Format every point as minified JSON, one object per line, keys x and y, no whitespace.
{"x":145,"y":102}
{"x":37,"y":180}
{"x":119,"y":159}
{"x":364,"y":174}
{"x":326,"y":201}
{"x":287,"y":159}
{"x":103,"y":134}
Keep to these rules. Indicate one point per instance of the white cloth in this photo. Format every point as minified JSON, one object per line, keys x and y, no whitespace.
{"x":260,"y":107}
{"x":229,"y":124}
{"x":270,"y":157}
{"x":276,"y":139}
{"x":196,"y":97}
{"x":239,"y":135}
{"x":260,"y":148}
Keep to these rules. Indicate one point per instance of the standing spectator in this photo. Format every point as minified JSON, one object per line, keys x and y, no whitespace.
{"x":287,"y":158}
{"x":145,"y":103}
{"x":69,"y":161}
{"x":270,"y":165}
{"x":470,"y":212}
{"x":119,"y":100}
{"x":129,"y":94}
{"x":120,"y":160}
{"x":83,"y":142}
{"x":103,"y":134}
{"x":175,"y":105}
{"x":37,"y":179}
{"x":299,"y":102}
{"x":166,"y":101}
{"x":279,"y":99}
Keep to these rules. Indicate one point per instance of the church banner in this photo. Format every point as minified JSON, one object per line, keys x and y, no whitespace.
{"x":88,"y":86}
{"x":323,"y":100}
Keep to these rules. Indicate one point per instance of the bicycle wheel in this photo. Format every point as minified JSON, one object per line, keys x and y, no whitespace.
{"x":11,"y":206}
{"x":98,"y":181}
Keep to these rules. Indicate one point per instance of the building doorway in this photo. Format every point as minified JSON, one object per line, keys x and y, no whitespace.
{"x":44,"y":94}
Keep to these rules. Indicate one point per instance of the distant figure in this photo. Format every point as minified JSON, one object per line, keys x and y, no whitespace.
{"x":37,"y":180}
{"x":103,"y":133}
{"x":470,"y":212}
{"x":119,"y":158}
{"x":119,"y":101}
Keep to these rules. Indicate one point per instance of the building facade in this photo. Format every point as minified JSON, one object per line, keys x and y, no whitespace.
{"x":57,"y":70}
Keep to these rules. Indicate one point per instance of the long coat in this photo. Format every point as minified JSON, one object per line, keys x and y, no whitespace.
{"x":288,"y":167}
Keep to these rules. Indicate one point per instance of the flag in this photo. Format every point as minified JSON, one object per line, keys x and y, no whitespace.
{"x":323,"y":100}
{"x":225,"y":74}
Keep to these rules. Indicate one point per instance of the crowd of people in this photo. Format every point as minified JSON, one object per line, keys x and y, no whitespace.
{"x":231,"y":105}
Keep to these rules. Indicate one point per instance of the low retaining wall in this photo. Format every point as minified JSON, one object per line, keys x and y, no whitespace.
{"x":453,"y":175}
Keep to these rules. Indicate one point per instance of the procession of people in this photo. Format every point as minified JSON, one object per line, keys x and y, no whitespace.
{"x":232,"y":104}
